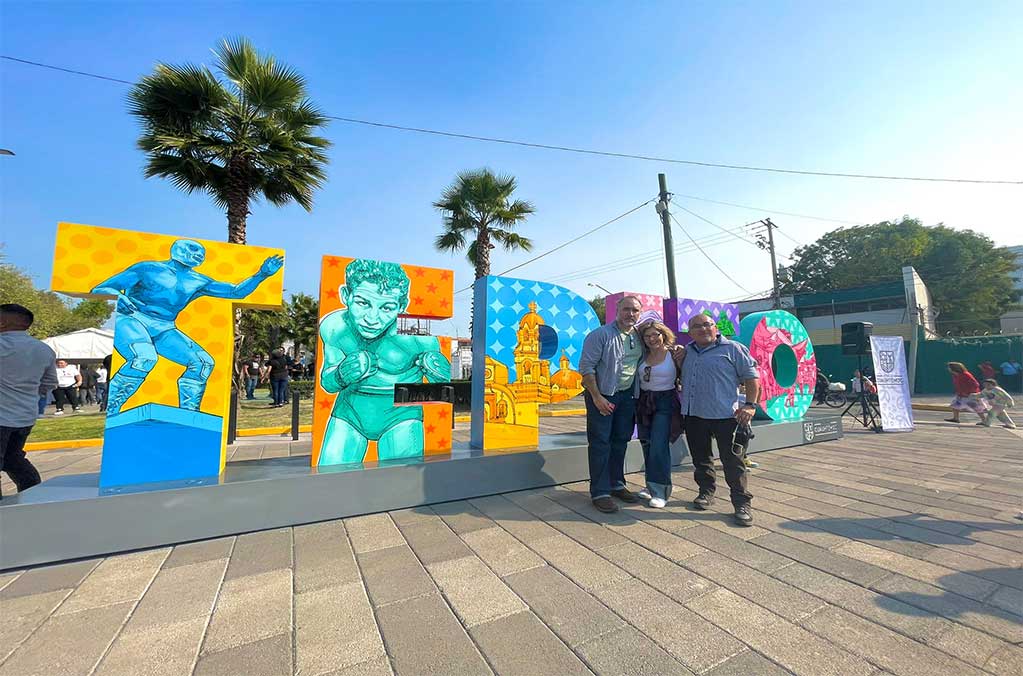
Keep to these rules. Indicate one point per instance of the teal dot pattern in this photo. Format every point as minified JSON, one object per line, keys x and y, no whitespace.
{"x":568,"y":314}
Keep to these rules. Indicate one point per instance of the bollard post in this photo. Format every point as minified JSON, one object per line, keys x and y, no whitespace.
{"x":294,"y":415}
{"x":232,"y":418}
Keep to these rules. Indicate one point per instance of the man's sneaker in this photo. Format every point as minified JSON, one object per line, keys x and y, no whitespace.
{"x":703,"y":501}
{"x":743,"y":515}
{"x":644,"y":494}
{"x":625,"y":495}
{"x":76,"y":410}
{"x":605,"y":504}
{"x":657,"y":503}
{"x":750,"y":464}
{"x":58,"y":413}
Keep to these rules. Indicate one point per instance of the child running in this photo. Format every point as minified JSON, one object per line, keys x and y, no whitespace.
{"x":999,"y":400}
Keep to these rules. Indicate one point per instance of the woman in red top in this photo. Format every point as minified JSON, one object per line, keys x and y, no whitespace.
{"x":966,"y":388}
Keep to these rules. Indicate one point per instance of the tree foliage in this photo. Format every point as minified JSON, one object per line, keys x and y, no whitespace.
{"x":264,"y":330}
{"x":251,"y":136}
{"x":968,"y":276}
{"x":599,"y":305}
{"x":478,"y":211}
{"x":54,"y":315}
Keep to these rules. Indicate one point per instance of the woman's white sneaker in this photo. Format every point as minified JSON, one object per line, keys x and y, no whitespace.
{"x":657,"y":503}
{"x":644,"y":494}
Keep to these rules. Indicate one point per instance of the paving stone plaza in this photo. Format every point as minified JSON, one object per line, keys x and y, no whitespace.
{"x":873,"y":554}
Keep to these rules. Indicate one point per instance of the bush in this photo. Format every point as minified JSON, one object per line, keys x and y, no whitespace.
{"x":303,"y":388}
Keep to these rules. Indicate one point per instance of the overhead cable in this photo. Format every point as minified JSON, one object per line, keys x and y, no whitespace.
{"x":584,"y":151}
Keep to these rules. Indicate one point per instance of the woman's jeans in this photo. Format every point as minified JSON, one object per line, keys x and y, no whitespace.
{"x":656,"y":443}
{"x":279,"y":390}
{"x":250,"y":386}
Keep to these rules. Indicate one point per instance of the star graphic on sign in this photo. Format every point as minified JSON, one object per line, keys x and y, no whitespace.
{"x":430,"y":429}
{"x":420,"y":272}
{"x":325,"y":403}
{"x":333,"y":262}
{"x":442,"y":443}
{"x":445,"y":275}
{"x":417,"y":300}
{"x":332,"y":294}
{"x":443,"y":413}
{"x":443,"y":303}
{"x":431,"y":287}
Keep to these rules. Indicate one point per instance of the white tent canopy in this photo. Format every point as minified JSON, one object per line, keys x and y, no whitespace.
{"x":84,"y":344}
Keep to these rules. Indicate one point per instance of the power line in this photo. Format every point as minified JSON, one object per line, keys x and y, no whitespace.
{"x":571,"y":241}
{"x":584,"y":151}
{"x":713,"y":262}
{"x":67,"y":70}
{"x":637,"y":259}
{"x":768,"y":211}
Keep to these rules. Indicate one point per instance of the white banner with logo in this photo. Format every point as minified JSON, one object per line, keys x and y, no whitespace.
{"x":892,"y":383}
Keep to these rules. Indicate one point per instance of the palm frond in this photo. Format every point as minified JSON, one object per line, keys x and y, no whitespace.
{"x":452,"y":240}
{"x":511,"y":241}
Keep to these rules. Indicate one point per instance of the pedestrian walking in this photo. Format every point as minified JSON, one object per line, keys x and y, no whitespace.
{"x":608,"y":364}
{"x":66,"y":392}
{"x":253,"y":369}
{"x":713,"y":369}
{"x":276,"y":372}
{"x":658,"y":412}
{"x":87,"y":392}
{"x":1012,"y":372}
{"x":101,"y":387}
{"x":27,"y":372}
{"x":999,"y":400}
{"x":967,"y":390}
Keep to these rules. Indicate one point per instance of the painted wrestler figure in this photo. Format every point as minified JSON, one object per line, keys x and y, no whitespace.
{"x":364,"y":358}
{"x":150,"y":295}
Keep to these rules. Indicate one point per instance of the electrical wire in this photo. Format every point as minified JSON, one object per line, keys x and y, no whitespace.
{"x":637,"y":259}
{"x":706,"y":255}
{"x":584,"y":151}
{"x":767,"y":211}
{"x":571,"y":241}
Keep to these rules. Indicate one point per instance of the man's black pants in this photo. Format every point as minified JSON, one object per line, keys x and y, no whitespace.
{"x":13,"y":460}
{"x":65,"y":395}
{"x":699,"y":432}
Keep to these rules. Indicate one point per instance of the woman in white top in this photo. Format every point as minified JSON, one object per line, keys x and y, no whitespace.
{"x":658,"y":413}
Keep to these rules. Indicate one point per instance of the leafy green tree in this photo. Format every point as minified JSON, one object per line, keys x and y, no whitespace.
{"x":54,"y":315}
{"x":253,"y":135}
{"x":968,"y":276}
{"x":599,"y":305}
{"x":478,"y":211}
{"x":303,"y":319}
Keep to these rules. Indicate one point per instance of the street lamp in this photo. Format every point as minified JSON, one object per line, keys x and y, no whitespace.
{"x":599,"y":287}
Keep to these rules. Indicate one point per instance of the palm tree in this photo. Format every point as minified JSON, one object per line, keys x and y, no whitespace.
{"x":249,"y":137}
{"x":478,"y":205}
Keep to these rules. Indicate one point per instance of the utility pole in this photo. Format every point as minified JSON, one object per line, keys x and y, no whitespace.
{"x":774,"y":265}
{"x":669,"y":248}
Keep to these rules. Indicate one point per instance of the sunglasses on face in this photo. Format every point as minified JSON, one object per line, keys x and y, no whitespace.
{"x":700,"y":326}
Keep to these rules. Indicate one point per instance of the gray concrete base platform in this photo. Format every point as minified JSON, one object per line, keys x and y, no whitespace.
{"x":71,"y":517}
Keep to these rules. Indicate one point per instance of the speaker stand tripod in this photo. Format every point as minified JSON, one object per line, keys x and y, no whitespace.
{"x":869,"y":416}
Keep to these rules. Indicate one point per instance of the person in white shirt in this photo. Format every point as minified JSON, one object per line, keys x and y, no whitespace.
{"x":68,"y":380}
{"x":26,"y":372}
{"x":101,"y":387}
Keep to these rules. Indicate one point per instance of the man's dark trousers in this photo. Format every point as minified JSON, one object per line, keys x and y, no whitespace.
{"x":13,"y":460}
{"x":607,"y":436}
{"x":66,"y":395}
{"x":699,"y":432}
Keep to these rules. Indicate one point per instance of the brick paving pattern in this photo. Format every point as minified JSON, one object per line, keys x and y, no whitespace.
{"x":874,"y":554}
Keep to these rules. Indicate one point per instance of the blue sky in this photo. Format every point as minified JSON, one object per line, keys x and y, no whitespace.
{"x":908,"y":88}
